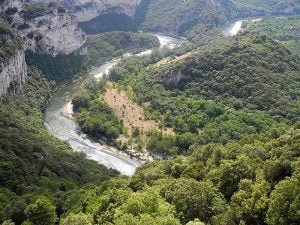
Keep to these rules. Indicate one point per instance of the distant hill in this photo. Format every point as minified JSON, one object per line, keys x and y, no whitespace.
{"x":250,"y":71}
{"x":178,"y":16}
{"x":284,"y":29}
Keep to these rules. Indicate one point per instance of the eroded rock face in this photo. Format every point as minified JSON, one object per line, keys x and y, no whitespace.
{"x":53,"y":34}
{"x":85,"y":10}
{"x":13,"y":73}
{"x":173,"y":78}
{"x":46,"y":28}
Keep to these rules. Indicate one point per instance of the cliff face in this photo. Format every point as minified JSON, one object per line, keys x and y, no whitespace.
{"x":85,"y":10}
{"x":13,"y":73}
{"x":12,"y":60}
{"x":53,"y":34}
{"x":46,"y":28}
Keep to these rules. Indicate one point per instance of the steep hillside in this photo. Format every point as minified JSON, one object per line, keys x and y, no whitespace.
{"x":32,"y":162}
{"x":12,"y":60}
{"x":251,"y":72}
{"x":178,"y":16}
{"x":219,"y":93}
{"x":284,"y":29}
{"x":45,"y":27}
{"x":99,"y":49}
{"x":269,"y":7}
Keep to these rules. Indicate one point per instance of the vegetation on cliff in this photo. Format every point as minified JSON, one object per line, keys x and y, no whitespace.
{"x":9,"y":41}
{"x":232,"y":104}
{"x":241,"y":159}
{"x":100,"y":48}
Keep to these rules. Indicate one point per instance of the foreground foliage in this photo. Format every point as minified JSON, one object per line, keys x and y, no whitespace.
{"x":32,"y":162}
{"x":254,"y":181}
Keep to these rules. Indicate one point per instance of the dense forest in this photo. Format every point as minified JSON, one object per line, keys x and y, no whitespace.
{"x":255,"y":181}
{"x":237,"y":133}
{"x":178,"y":16}
{"x":284,"y":29}
{"x":226,"y":136}
{"x":9,"y":41}
{"x":33,"y":164}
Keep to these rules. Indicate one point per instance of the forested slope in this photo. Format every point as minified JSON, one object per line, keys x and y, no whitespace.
{"x":179,"y":16}
{"x":220,"y":93}
{"x":252,"y":72}
{"x":255,"y":181}
{"x":284,"y":29}
{"x":241,"y":154}
{"x":32,"y":162}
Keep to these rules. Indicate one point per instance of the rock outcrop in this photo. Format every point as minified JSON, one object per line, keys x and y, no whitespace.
{"x":46,"y":28}
{"x":53,"y":34}
{"x":13,"y":73}
{"x":85,"y":10}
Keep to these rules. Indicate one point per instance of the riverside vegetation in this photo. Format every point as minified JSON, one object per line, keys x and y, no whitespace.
{"x":232,"y":159}
{"x":37,"y":170}
{"x":235,"y":148}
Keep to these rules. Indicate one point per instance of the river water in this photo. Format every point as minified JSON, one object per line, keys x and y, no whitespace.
{"x":232,"y":28}
{"x":60,"y":123}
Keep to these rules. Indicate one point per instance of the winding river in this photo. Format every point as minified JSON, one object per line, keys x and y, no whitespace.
{"x":59,"y":121}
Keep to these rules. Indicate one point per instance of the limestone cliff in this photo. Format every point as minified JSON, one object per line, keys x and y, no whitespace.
{"x":42,"y":28}
{"x":46,"y":28}
{"x":12,"y":60}
{"x":85,"y":10}
{"x":13,"y":73}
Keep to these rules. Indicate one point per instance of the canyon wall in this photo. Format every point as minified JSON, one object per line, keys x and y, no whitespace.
{"x":43,"y":28}
{"x":46,"y":28}
{"x":13,"y":73}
